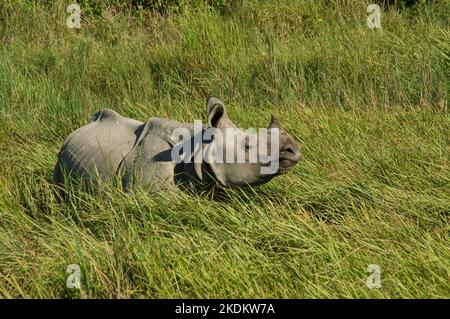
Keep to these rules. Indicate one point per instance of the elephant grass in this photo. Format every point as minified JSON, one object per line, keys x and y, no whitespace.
{"x":369,"y":107}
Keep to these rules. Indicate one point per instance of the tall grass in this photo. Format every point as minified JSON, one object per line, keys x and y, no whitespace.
{"x":369,"y":106}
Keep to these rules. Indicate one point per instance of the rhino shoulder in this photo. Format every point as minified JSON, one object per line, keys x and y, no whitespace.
{"x":111,"y":115}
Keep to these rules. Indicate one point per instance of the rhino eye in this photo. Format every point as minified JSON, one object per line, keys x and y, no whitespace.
{"x":247,"y":145}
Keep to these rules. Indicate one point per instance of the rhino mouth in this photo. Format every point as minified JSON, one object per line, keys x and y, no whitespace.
{"x":289,"y":157}
{"x":287,"y":163}
{"x":285,"y":166}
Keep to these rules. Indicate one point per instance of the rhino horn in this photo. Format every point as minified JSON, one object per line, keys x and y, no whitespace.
{"x":274,"y":123}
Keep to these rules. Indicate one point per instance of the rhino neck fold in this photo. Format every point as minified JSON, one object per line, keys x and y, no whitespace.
{"x":164,"y":129}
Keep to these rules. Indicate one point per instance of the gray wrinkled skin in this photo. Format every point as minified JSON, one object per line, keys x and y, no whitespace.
{"x":139,"y":154}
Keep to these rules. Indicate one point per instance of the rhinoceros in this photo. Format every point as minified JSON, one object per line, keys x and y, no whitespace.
{"x":142,"y":153}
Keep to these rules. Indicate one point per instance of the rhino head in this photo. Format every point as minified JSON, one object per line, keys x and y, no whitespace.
{"x":283,"y":151}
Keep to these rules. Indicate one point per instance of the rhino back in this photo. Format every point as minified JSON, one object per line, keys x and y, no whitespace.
{"x":96,"y":149}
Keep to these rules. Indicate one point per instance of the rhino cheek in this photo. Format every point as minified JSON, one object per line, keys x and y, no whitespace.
{"x":243,"y":174}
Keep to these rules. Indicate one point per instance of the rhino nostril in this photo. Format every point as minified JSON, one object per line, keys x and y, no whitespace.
{"x":288,"y":150}
{"x":289,"y":154}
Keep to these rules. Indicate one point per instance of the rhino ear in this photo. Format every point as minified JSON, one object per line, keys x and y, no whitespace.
{"x":217,"y":116}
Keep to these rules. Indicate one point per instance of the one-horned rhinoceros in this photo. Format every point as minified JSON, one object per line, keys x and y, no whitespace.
{"x":163,"y":153}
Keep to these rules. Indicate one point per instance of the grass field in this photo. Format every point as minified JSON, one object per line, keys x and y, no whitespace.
{"x":370,"y":107}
